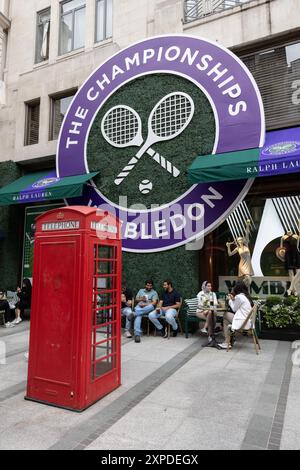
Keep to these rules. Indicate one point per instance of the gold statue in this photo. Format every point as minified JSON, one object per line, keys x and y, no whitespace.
{"x":242,"y":248}
{"x":290,"y":246}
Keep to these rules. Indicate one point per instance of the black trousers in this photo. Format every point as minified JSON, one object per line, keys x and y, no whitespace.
{"x":211,"y":322}
{"x":4,"y":307}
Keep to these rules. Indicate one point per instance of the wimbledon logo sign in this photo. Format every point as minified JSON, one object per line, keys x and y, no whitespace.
{"x":239,"y":124}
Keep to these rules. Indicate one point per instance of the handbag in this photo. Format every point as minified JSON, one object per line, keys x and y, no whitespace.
{"x":280,"y":253}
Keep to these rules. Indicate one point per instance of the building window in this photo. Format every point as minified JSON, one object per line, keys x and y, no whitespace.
{"x":72,"y":26}
{"x":277,"y":72}
{"x":3,"y":52}
{"x":42,"y":36}
{"x":59,"y":107}
{"x":32,"y":123}
{"x":197,"y":9}
{"x":104,"y":13}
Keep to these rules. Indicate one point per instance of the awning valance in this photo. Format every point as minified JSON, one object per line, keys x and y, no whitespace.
{"x":280,"y":155}
{"x":43,"y":186}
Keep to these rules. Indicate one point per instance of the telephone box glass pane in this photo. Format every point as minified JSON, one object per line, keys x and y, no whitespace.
{"x":104,"y":283}
{"x":104,"y":316}
{"x":105,"y":331}
{"x":104,"y":349}
{"x":104,"y":366}
{"x":106,"y":299}
{"x":106,"y":252}
{"x":105,"y":267}
{"x":105,"y":304}
{"x":103,"y":340}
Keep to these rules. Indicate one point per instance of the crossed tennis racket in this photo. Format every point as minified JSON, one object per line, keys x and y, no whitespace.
{"x":122,"y":127}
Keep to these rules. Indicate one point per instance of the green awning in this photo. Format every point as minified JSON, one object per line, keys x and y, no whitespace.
{"x":43,"y":186}
{"x":224,"y":166}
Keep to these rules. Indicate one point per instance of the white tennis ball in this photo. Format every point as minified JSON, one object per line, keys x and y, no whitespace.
{"x":145,"y":186}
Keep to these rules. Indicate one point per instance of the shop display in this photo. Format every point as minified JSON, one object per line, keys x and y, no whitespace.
{"x":290,"y":246}
{"x":242,"y":248}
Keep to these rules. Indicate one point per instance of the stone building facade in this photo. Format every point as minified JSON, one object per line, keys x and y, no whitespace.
{"x":48,"y":48}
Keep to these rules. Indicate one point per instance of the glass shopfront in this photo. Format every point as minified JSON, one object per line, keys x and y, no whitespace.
{"x":31,"y":213}
{"x":273,"y":212}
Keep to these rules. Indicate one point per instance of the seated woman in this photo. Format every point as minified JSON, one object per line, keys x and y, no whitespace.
{"x":241,"y":304}
{"x":206,"y":301}
{"x":4,"y":307}
{"x":24,"y":295}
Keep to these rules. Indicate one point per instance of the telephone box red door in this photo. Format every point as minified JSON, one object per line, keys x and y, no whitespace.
{"x":75,"y":331}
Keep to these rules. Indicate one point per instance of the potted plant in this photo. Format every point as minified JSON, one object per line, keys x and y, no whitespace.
{"x":281,"y":318}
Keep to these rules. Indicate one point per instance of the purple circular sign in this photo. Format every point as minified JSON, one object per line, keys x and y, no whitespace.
{"x":239,"y":121}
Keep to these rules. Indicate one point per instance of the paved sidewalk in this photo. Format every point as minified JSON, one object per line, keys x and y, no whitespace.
{"x":174,"y":395}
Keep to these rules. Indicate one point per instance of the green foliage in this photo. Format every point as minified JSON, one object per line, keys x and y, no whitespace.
{"x":255,"y":297}
{"x":161,"y":266}
{"x":273,"y":300}
{"x":142,"y":94}
{"x":282,"y":312}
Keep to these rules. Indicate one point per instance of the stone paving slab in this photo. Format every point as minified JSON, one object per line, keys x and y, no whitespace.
{"x":55,"y":422}
{"x":291,"y":427}
{"x":201,"y":397}
{"x":174,"y":395}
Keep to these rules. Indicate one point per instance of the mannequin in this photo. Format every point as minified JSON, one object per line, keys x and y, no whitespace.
{"x":291,"y":242}
{"x":242,"y":248}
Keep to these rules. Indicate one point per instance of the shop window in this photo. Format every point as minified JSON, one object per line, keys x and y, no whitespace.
{"x":270,"y":219}
{"x":42,"y":36}
{"x":72,"y":26}
{"x":3,"y":55}
{"x":196,"y":9}
{"x":277,"y":73}
{"x":59,"y":107}
{"x":104,"y":16}
{"x":32,"y":123}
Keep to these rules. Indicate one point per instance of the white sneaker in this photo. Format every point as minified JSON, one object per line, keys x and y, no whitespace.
{"x":204,"y":330}
{"x":128,"y":334}
{"x":9,"y":325}
{"x":14,"y":321}
{"x":224,"y":346}
{"x":18,"y":320}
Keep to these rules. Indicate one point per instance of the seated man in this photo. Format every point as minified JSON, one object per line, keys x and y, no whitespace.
{"x":146,"y":301}
{"x":126,"y":308}
{"x":5,"y":308}
{"x":168,"y":305}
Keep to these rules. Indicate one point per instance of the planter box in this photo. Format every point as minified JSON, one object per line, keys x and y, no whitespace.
{"x":290,"y":333}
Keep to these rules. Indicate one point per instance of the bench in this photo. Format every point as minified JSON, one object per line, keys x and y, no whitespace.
{"x":190,"y":309}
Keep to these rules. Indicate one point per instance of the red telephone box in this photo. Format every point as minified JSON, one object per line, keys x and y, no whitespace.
{"x":75,"y":331}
